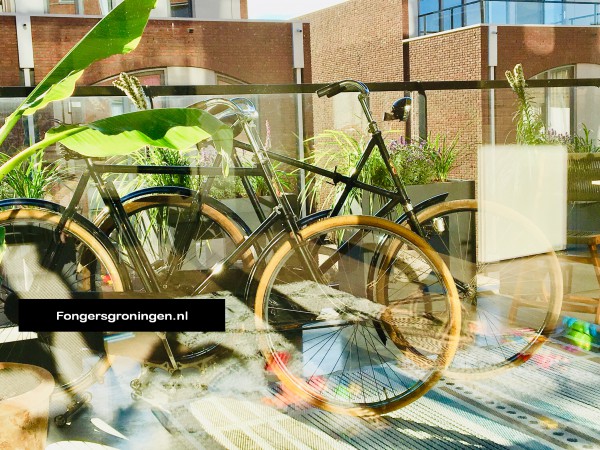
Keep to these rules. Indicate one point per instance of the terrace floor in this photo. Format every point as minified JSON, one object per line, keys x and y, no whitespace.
{"x":552,"y":401}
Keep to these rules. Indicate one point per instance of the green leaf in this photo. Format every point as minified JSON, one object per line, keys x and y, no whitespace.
{"x":175,"y":128}
{"x":117,"y":33}
{"x":2,"y":243}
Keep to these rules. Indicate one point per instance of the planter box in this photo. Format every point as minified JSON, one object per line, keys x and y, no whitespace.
{"x":456,"y":189}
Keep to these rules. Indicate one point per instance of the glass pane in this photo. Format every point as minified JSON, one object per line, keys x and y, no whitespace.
{"x":580,"y":14}
{"x":553,"y":13}
{"x":181,"y":8}
{"x":450,"y":3}
{"x":431,"y":23}
{"x":428,"y":6}
{"x":528,"y":13}
{"x":473,"y":13}
{"x":497,"y":12}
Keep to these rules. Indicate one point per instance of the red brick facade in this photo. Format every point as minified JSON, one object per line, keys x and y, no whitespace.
{"x":253,"y":52}
{"x":9,"y":73}
{"x":363,"y":39}
{"x":248,"y":51}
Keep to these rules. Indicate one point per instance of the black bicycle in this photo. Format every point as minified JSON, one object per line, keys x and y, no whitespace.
{"x":355,"y":314}
{"x":509,"y":306}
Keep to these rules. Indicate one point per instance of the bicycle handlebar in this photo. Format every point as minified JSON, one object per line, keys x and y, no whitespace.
{"x":343,"y":86}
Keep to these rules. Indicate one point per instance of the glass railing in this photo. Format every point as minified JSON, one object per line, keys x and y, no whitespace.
{"x":501,"y":12}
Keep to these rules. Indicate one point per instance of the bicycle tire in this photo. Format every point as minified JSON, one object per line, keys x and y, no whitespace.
{"x":501,"y":328}
{"x":138,"y":204}
{"x":291,"y":311}
{"x":214,"y":224}
{"x":25,"y":228}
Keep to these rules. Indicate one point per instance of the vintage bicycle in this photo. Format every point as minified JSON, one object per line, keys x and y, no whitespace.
{"x":355,"y":314}
{"x":509,"y":306}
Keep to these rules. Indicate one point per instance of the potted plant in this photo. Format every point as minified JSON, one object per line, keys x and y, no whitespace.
{"x":583,"y":163}
{"x":423,"y":166}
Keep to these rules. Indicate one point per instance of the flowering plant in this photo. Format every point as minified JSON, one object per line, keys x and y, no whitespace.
{"x":417,"y":162}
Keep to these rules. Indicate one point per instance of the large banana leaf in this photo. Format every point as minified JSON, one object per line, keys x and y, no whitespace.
{"x":117,"y":33}
{"x":175,"y":128}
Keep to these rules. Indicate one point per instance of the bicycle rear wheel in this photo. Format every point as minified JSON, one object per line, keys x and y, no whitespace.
{"x":509,"y":306}
{"x":83,"y":264}
{"x":161,"y":222}
{"x":330,"y":343}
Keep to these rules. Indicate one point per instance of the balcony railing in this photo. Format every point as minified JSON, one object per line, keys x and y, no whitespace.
{"x":503,"y":12}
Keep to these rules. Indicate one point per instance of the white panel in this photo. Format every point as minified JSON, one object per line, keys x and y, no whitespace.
{"x":298,"y":45}
{"x":24,"y":41}
{"x":588,"y":100}
{"x":162,"y":9}
{"x":216,"y":9}
{"x":230,"y":9}
{"x":34,"y":7}
{"x":531,"y":182}
{"x":413,"y":18}
{"x":492,"y":46}
{"x":182,"y":76}
{"x":560,"y":118}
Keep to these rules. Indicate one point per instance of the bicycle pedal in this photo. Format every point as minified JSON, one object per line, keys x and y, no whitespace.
{"x":73,"y":409}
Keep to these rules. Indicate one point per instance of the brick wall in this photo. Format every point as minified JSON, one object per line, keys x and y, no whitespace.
{"x":254,"y":52}
{"x":360,"y":39}
{"x":9,"y":64}
{"x":453,"y":56}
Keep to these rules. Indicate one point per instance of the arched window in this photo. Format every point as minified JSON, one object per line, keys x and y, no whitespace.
{"x":566,"y":110}
{"x":557,"y":105}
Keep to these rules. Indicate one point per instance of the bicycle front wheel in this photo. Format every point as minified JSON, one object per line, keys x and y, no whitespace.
{"x":330,"y":343}
{"x":82,"y":263}
{"x":510,"y":304}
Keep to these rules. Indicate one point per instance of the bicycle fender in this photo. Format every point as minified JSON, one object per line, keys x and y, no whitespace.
{"x":186,"y":192}
{"x":439,"y":198}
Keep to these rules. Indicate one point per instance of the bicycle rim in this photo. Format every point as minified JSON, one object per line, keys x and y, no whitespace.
{"x":330,"y":343}
{"x":509,"y":306}
{"x":75,"y":359}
